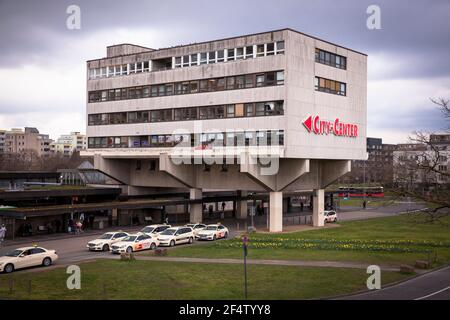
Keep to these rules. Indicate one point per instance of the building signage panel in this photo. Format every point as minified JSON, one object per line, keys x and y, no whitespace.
{"x":325,"y":127}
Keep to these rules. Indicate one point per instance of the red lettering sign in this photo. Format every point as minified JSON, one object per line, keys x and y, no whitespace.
{"x":325,"y":127}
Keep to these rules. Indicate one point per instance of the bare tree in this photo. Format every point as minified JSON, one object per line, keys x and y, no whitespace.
{"x":421,"y":172}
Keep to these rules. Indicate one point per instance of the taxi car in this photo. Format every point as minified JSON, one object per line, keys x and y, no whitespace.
{"x":176,"y":235}
{"x":197,"y":227}
{"x":104,"y":242}
{"x":155,"y":229}
{"x":330,"y":216}
{"x":27,"y":257}
{"x":135,"y":242}
{"x":213,"y":232}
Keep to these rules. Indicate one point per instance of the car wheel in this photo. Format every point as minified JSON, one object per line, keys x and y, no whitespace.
{"x":153,"y":246}
{"x":226,"y":235}
{"x":191,"y":240}
{"x":129,"y":250}
{"x":47,"y":262}
{"x":9,"y":268}
{"x":172,"y":243}
{"x":335,"y":219}
{"x":105,"y":247}
{"x":214,"y":237}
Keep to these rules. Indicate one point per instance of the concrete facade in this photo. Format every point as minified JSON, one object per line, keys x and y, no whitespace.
{"x":306,"y":160}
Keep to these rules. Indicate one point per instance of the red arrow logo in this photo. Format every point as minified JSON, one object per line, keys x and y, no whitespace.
{"x":308,"y":123}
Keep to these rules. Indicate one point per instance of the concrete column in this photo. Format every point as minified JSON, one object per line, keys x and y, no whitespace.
{"x":195,"y":209}
{"x":276,"y":211}
{"x":318,"y":207}
{"x":241,"y":206}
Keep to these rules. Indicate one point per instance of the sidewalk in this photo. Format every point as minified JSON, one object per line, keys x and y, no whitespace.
{"x":298,"y":263}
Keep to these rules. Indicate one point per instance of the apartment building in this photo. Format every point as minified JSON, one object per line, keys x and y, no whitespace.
{"x":2,"y":140}
{"x":69,"y":143}
{"x":28,"y":139}
{"x":411,"y":161}
{"x":276,"y":111}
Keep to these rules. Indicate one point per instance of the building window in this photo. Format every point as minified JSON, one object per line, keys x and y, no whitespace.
{"x":239,"y":53}
{"x":212,"y":57}
{"x":249,"y":52}
{"x":203,"y":58}
{"x":260,"y":50}
{"x":220,"y":56}
{"x":194,"y":59}
{"x":330,"y":86}
{"x":330,"y":59}
{"x":177,"y":62}
{"x":230,"y":54}
{"x":280,"y":47}
{"x":270,"y":49}
{"x":260,"y":78}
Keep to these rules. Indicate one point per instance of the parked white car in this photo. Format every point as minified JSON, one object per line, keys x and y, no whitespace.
{"x":197,"y":227}
{"x":27,"y":257}
{"x":176,"y":235}
{"x":155,"y":229}
{"x":135,"y":242}
{"x":213,"y":232}
{"x":330,"y":216}
{"x":105,"y":241}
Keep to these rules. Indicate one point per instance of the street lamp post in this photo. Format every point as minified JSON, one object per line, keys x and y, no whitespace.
{"x":244,"y":247}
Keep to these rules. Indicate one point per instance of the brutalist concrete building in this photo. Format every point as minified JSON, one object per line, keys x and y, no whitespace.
{"x":278,"y":111}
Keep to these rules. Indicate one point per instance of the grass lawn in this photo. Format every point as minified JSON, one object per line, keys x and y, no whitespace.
{"x":167,"y":280}
{"x":394,"y":230}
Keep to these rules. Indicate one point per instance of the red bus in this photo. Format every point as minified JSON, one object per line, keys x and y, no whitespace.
{"x":360,"y":192}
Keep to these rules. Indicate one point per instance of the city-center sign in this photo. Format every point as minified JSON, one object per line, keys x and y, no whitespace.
{"x":338,"y":128}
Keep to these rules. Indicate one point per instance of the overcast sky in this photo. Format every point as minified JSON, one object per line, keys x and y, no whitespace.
{"x":42,"y":63}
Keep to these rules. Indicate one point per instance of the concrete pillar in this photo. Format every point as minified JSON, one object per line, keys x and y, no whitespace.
{"x":195,"y":209}
{"x":276,"y":211}
{"x":241,"y":206}
{"x":318,"y":207}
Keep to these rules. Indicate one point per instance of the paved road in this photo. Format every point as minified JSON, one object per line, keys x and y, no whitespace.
{"x":433,"y":285}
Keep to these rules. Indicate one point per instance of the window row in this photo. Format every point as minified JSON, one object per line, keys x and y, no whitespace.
{"x":119,"y":70}
{"x":233,"y":54}
{"x":195,"y":59}
{"x":197,"y":141}
{"x":272,"y":108}
{"x":273,"y":78}
{"x":331,"y":59}
{"x":330,"y":86}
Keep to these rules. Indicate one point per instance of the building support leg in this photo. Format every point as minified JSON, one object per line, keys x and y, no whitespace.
{"x":241,"y":206}
{"x":195,"y":209}
{"x":276,"y":211}
{"x":318,"y":207}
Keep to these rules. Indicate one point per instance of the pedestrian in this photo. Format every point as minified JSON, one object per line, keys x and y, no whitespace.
{"x":2,"y":234}
{"x":222,"y":214}
{"x":167,"y":220}
{"x":364,"y":204}
{"x":301,"y":206}
{"x":78,"y":227}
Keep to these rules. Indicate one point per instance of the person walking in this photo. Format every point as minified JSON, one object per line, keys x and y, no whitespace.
{"x":2,"y":234}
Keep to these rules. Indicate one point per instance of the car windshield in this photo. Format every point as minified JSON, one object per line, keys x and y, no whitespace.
{"x":148,"y":229}
{"x":106,"y":236}
{"x":168,"y":232}
{"x":130,"y":238}
{"x":14,"y":253}
{"x":211,"y":228}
